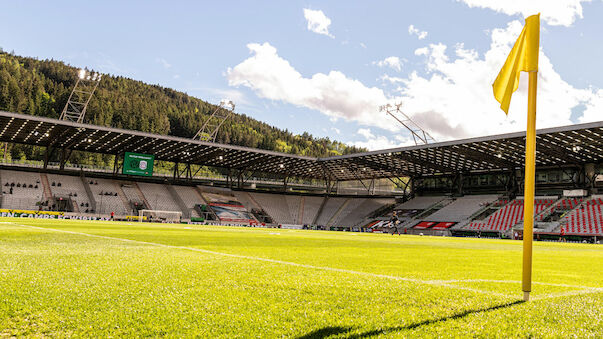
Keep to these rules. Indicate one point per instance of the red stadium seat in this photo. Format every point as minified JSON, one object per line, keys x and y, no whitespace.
{"x":424,"y":224}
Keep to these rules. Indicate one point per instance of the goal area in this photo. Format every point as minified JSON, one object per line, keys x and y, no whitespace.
{"x":159,"y":216}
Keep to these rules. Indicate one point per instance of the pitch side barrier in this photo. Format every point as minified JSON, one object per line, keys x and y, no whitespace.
{"x":4,"y":213}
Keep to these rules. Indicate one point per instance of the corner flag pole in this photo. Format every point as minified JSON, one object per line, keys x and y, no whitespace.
{"x":528,"y":199}
{"x":524,"y":58}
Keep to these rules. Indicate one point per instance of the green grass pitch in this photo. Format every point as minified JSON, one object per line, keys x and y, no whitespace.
{"x":110,"y":279}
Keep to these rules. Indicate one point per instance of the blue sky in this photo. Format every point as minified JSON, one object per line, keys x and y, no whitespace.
{"x":324,"y":67}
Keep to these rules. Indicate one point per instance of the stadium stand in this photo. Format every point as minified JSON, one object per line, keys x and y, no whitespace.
{"x":508,"y":215}
{"x":424,"y":225}
{"x":225,"y":205}
{"x":575,"y":216}
{"x":358,"y":216}
{"x":275,"y":206}
{"x":71,"y":187}
{"x":311,"y":207}
{"x":130,"y":191}
{"x":246,"y":200}
{"x":21,"y":190}
{"x":563,"y":205}
{"x":191,"y":197}
{"x":158,"y":197}
{"x":329,"y":209}
{"x":107,"y":198}
{"x":420,"y":203}
{"x":585,"y":219}
{"x":462,"y":208}
{"x":294,"y":202}
{"x":348,"y":207}
{"x":442,"y":226}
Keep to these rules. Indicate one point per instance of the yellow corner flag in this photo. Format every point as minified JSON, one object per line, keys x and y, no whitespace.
{"x":524,"y":57}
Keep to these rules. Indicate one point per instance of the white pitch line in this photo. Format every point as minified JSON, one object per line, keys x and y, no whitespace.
{"x":289,"y":263}
{"x":569,"y":293}
{"x":440,"y":283}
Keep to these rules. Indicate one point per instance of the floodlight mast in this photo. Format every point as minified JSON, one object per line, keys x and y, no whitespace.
{"x":419,"y":135}
{"x":86,"y":84}
{"x":209,"y":130}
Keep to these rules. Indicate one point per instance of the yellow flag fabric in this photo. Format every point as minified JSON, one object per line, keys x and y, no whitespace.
{"x":523,"y":57}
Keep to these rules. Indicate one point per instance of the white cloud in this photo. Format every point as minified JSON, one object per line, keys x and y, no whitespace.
{"x":318,"y":22}
{"x":362,"y":45}
{"x":336,"y":130}
{"x":451,"y":99}
{"x":163,"y":62}
{"x":454,"y":98}
{"x":553,"y":12}
{"x":412,"y":30}
{"x":593,"y":109}
{"x":333,"y":94}
{"x":216,"y":95}
{"x":390,"y":79}
{"x":372,"y":142}
{"x":392,"y":61}
{"x":366,"y":133}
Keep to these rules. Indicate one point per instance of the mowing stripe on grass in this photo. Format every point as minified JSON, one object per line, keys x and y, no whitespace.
{"x":439,"y":283}
{"x":513,"y":282}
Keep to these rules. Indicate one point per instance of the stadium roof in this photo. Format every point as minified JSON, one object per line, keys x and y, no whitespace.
{"x":561,"y":146}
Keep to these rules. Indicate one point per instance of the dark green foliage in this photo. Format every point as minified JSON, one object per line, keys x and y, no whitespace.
{"x":42,"y":87}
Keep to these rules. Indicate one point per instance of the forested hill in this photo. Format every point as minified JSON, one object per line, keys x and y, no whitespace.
{"x":42,"y":87}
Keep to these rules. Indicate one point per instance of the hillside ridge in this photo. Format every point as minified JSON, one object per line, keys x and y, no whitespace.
{"x":42,"y":87}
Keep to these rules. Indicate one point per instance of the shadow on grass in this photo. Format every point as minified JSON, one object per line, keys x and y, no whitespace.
{"x":329,"y":331}
{"x":325,"y":332}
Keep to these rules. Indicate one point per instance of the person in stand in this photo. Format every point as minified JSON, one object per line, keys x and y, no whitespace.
{"x":562,"y":235}
{"x":112,"y":215}
{"x":394,"y":221}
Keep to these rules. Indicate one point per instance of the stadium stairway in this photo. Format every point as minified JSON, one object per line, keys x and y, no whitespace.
{"x":340,"y":210}
{"x":185,"y":211}
{"x":252,"y":199}
{"x":300,"y":213}
{"x":76,"y":207}
{"x":509,"y":216}
{"x":563,"y":204}
{"x":88,"y":190}
{"x":205,"y":201}
{"x":46,"y":185}
{"x":311,"y":206}
{"x":473,"y":217}
{"x":548,"y":211}
{"x":320,"y":209}
{"x":294,"y":203}
{"x":200,"y":193}
{"x":331,"y":207}
{"x":353,"y":205}
{"x":427,"y":212}
{"x":146,"y":202}
{"x":124,"y":198}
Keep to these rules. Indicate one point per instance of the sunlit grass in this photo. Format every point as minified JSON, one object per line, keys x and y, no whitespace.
{"x":61,"y":284}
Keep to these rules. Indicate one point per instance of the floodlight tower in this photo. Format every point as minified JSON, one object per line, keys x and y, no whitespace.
{"x":209,"y":130}
{"x":419,"y":135}
{"x":75,"y":108}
